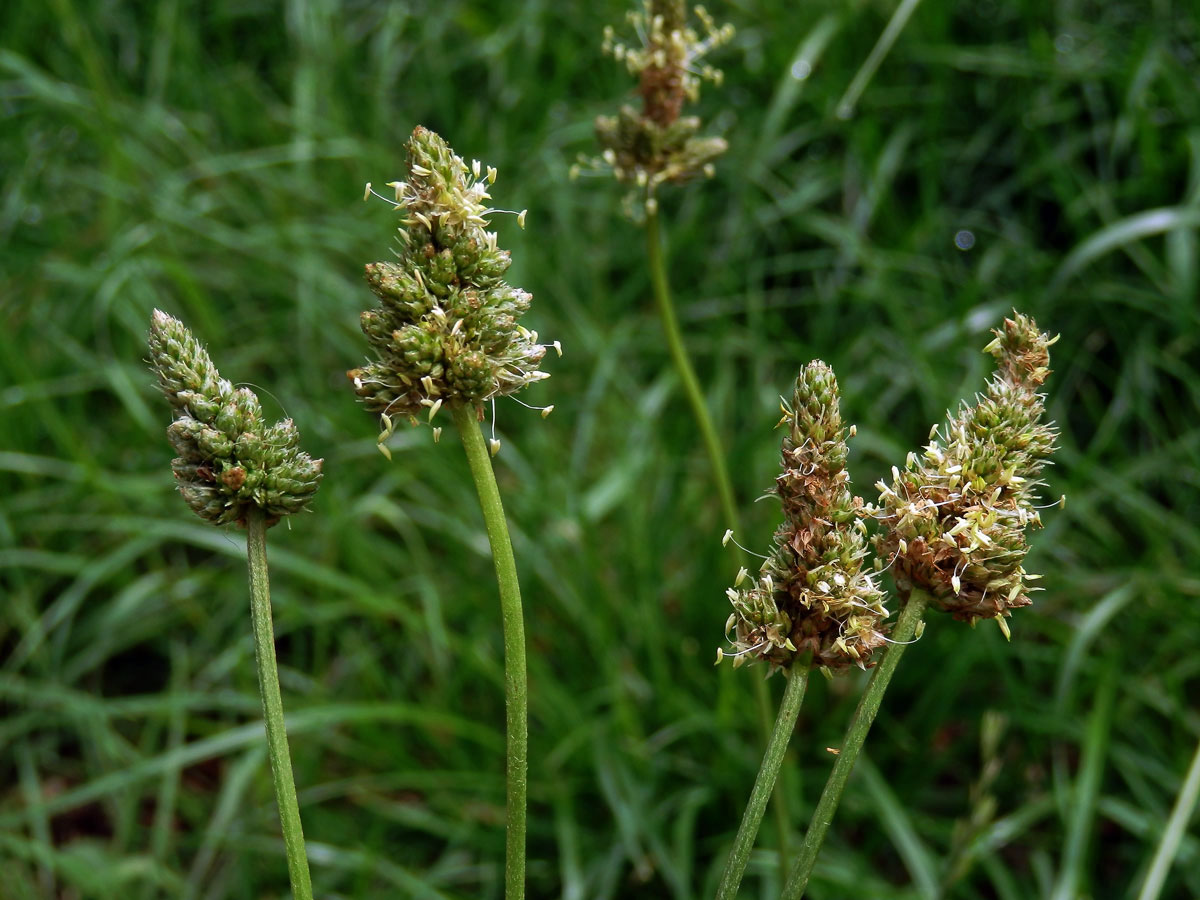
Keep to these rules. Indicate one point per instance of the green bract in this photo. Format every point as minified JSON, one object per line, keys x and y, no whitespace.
{"x":446,"y":330}
{"x":229,"y":458}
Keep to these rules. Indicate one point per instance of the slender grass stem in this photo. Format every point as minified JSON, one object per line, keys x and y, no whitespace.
{"x":716,"y":459}
{"x":856,"y":736}
{"x":272,"y":702}
{"x":515,"y":681}
{"x":1173,"y":833}
{"x":785,"y":724}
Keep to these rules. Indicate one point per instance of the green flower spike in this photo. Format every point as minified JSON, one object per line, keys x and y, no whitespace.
{"x":956,"y":516}
{"x":657,"y":144}
{"x":446,"y":330}
{"x":446,"y":334}
{"x":233,"y":467}
{"x":811,"y":594}
{"x":229,"y":459}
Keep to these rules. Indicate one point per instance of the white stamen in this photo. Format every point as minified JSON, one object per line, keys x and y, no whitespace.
{"x":729,"y":537}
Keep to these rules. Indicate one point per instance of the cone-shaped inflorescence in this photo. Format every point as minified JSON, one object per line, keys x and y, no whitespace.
{"x":955,"y":518}
{"x":656,"y":143}
{"x":812,"y":594}
{"x":446,"y":329}
{"x":229,"y":458}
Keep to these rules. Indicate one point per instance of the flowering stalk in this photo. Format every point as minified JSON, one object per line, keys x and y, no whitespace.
{"x":955,"y":525}
{"x":657,"y":145}
{"x":446,"y":334}
{"x":812,"y":603}
{"x":234,"y":469}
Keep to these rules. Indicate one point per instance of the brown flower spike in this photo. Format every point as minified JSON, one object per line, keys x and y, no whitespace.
{"x":658,"y":144}
{"x":812,"y":594}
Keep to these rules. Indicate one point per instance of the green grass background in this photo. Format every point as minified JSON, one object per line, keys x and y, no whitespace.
{"x":208,"y":158}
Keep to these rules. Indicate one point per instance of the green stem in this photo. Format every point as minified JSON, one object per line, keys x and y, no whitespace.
{"x":783,"y":817}
{"x":515,"y":681}
{"x":856,"y":736}
{"x":272,"y":703}
{"x":683,"y":365}
{"x":716,"y":459}
{"x":785,"y":724}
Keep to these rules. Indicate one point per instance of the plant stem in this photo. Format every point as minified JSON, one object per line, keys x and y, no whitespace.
{"x":856,"y":736}
{"x":683,"y":365}
{"x":783,"y":818}
{"x":785,"y":724}
{"x":515,"y":682}
{"x":272,"y":703}
{"x":716,"y":459}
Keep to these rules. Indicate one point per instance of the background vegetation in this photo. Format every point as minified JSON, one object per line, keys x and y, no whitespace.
{"x":208,"y":158}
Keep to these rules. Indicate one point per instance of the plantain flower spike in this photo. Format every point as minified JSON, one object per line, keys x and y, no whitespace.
{"x":657,"y":144}
{"x":956,"y":516}
{"x":812,"y":593}
{"x":229,"y":458}
{"x":446,"y":329}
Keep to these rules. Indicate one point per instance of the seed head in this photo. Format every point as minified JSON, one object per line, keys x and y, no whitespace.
{"x":812,"y":593}
{"x":956,"y":516}
{"x":446,"y":328}
{"x":229,"y":458}
{"x":657,"y":144}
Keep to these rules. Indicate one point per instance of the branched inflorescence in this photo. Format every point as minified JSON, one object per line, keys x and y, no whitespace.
{"x":812,"y":594}
{"x":955,"y":518}
{"x":657,"y":144}
{"x":446,"y":329}
{"x":229,"y":458}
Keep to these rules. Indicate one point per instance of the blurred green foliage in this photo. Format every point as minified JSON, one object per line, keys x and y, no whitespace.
{"x":208,"y":158}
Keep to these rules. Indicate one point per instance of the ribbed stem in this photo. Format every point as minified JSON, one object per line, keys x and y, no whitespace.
{"x":783,"y":816}
{"x":515,"y":680}
{"x":716,"y":460}
{"x":785,"y":724}
{"x":856,"y":736}
{"x":272,"y":703}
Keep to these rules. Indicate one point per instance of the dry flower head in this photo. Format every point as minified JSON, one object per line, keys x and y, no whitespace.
{"x":657,"y":144}
{"x":812,"y":594}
